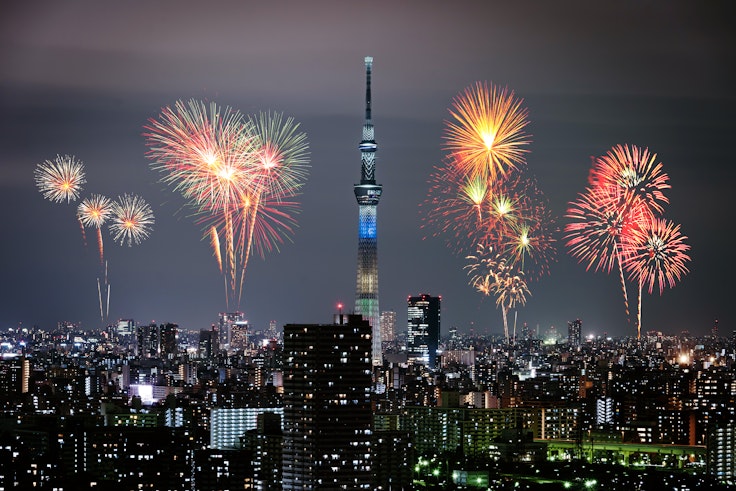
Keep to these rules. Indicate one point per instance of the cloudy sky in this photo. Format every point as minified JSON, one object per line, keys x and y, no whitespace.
{"x":83,"y":78}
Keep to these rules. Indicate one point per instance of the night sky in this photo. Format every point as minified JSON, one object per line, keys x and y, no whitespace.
{"x":83,"y":78}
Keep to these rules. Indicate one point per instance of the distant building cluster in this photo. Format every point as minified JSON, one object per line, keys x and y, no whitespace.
{"x":143,"y":405}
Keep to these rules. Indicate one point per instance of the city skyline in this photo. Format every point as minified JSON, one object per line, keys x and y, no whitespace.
{"x":84,"y":79}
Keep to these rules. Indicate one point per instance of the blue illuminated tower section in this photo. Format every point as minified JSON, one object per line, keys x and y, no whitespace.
{"x":368,"y":193}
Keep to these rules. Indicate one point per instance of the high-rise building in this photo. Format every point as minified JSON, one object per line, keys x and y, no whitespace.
{"x":573,"y":332}
{"x":388,"y":325}
{"x":368,"y":193}
{"x":423,"y":329}
{"x":225,"y":328}
{"x":147,"y":340}
{"x":239,"y":336}
{"x":327,"y":405}
{"x":229,"y":424}
{"x":208,"y":342}
{"x":168,"y":340}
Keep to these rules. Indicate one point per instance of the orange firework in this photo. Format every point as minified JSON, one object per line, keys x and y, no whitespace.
{"x":486,"y":135}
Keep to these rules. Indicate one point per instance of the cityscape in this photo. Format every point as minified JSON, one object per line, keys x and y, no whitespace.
{"x":553,"y":291}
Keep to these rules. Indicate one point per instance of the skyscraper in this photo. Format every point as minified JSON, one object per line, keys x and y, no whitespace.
{"x":225,"y":328}
{"x":423,"y":329}
{"x":573,"y":332}
{"x":327,"y":405}
{"x":368,"y":193}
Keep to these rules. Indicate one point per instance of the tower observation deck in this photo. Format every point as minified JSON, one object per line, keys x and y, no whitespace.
{"x":368,"y":193}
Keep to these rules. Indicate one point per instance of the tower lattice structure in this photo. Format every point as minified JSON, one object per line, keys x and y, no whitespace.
{"x":368,"y":193}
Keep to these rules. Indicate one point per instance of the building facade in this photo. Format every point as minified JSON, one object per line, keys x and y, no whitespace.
{"x":327,"y":406}
{"x":388,"y":326}
{"x":573,"y":333}
{"x":423,"y":329}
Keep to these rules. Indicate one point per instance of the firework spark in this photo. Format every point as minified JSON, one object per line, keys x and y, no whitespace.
{"x":61,"y":179}
{"x":131,"y":220}
{"x":456,"y":207}
{"x":486,"y":135}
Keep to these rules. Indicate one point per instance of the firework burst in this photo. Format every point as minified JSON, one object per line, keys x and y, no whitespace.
{"x":239,"y":174}
{"x":131,"y":220}
{"x":636,"y":173}
{"x":657,"y":255}
{"x":486,"y":134}
{"x":203,"y":151}
{"x":456,"y":207}
{"x":61,"y":179}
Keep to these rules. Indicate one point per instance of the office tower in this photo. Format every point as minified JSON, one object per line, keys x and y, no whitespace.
{"x":207,"y":343}
{"x":368,"y":193}
{"x":388,"y":325}
{"x":147,"y":340}
{"x":239,"y":336}
{"x":327,"y":406}
{"x":225,"y":328}
{"x":573,"y":332}
{"x":423,"y":329}
{"x":168,"y":340}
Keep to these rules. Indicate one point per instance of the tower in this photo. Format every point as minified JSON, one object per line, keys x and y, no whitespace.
{"x":368,"y":193}
{"x":423,"y":329}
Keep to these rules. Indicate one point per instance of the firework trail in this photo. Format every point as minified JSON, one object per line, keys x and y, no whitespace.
{"x":61,"y":179}
{"x":283,"y":164}
{"x":493,"y":274}
{"x":597,"y":229}
{"x":94,"y":212}
{"x":486,"y":135}
{"x":511,"y":290}
{"x":656,"y":254}
{"x":131,"y":220}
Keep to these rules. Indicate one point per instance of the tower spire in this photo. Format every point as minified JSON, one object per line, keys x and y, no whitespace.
{"x":368,"y":193}
{"x":368,"y":69}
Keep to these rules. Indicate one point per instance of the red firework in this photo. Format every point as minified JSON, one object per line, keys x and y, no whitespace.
{"x":657,"y":255}
{"x":636,"y":173}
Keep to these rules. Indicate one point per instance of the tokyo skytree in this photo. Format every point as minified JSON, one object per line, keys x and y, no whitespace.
{"x":368,"y":193}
